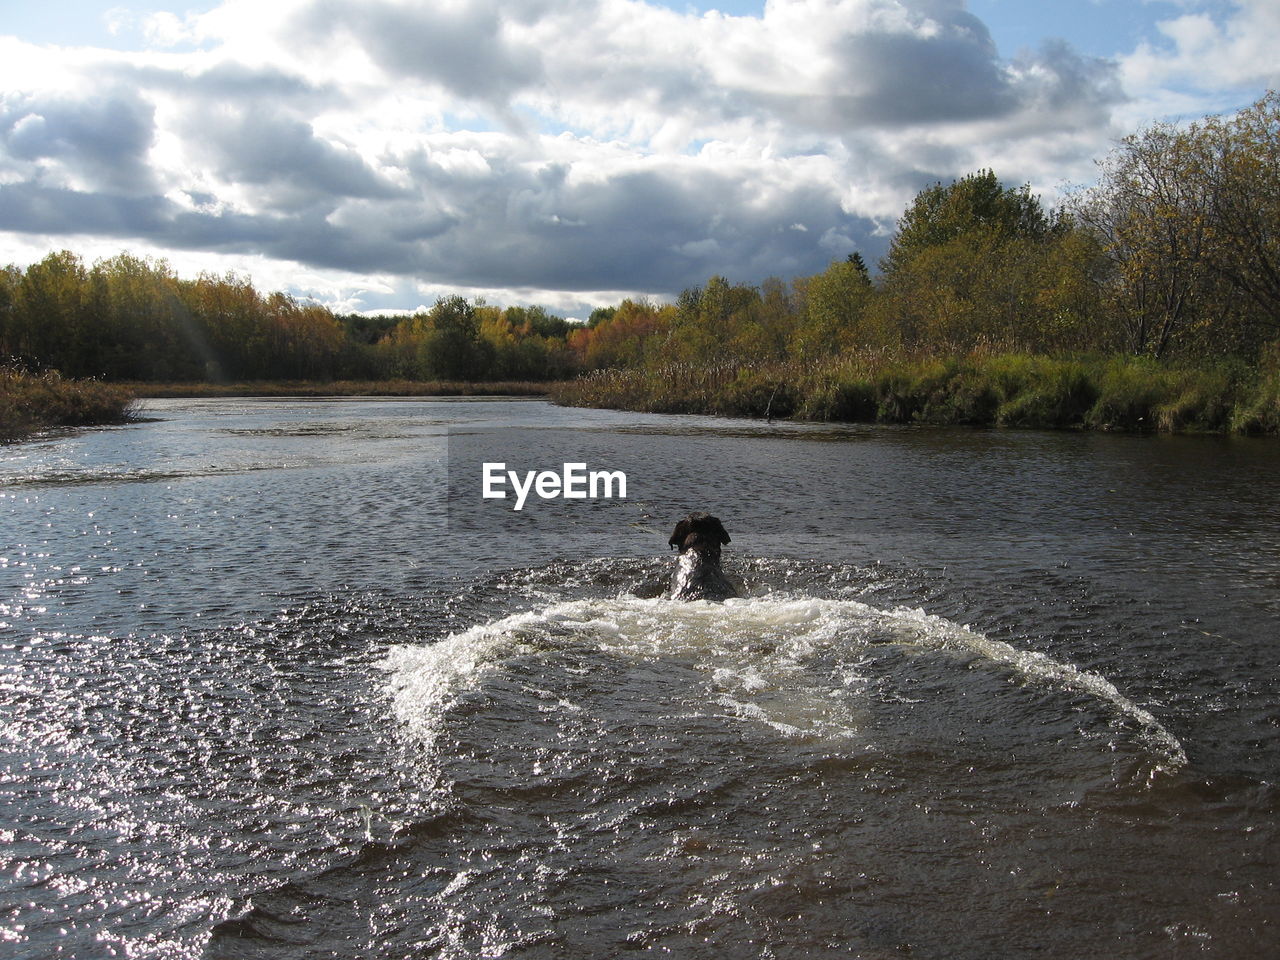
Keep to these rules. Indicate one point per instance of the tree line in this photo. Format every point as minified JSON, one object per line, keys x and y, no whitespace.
{"x":131,"y":318}
{"x":1173,"y":255}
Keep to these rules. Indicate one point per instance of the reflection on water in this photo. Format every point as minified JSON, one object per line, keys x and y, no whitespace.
{"x":270,"y":693}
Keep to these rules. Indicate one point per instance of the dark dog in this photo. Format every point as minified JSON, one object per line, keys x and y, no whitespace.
{"x":698,"y":576}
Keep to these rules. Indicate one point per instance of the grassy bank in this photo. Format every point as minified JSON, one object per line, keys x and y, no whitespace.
{"x":30,"y":403}
{"x":344,"y":388}
{"x":33,"y":402}
{"x":1013,"y":390}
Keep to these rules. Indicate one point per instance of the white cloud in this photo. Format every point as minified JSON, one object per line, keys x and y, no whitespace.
{"x":1204,"y":63}
{"x":166,"y":29}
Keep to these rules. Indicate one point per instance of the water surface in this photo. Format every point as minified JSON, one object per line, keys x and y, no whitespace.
{"x":279,"y":683}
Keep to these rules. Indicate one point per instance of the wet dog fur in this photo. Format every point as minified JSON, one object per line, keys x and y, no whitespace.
{"x":698,"y":576}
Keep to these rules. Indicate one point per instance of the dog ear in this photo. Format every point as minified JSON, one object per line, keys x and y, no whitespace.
{"x":717,"y":529}
{"x":681,"y":531}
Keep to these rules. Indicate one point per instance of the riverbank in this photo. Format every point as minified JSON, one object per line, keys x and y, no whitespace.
{"x":343,"y":388}
{"x":1001,"y":390}
{"x":30,"y":403}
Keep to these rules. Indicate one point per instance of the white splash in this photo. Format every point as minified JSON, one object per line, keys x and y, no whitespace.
{"x":757,"y":656}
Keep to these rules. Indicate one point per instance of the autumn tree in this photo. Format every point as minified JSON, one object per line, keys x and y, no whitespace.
{"x":622,"y":336}
{"x":145,"y":331}
{"x":710,"y":321}
{"x":1235,"y":164}
{"x":527,"y":343}
{"x":1153,"y":222}
{"x":47,"y":326}
{"x":1189,"y":218}
{"x":303,"y":341}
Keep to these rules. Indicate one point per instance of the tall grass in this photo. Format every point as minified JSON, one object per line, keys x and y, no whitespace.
{"x":1259,"y":410}
{"x":33,"y":402}
{"x":984,"y":389}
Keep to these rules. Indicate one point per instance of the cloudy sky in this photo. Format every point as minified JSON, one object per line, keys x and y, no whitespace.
{"x":379,"y":153}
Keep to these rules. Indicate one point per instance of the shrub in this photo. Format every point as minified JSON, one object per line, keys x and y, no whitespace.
{"x":1259,"y":411}
{"x":33,"y":402}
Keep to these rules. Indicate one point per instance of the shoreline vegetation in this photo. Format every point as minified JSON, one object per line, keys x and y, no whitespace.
{"x":1149,"y":301}
{"x":30,"y":403}
{"x":1110,"y":393}
{"x":1002,"y":390}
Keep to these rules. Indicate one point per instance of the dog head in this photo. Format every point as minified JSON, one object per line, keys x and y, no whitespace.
{"x":698,"y":531}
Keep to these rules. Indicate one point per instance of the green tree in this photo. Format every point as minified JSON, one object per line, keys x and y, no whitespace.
{"x":775,"y":318}
{"x":860,"y":265}
{"x":599,"y":315}
{"x":977,"y":265}
{"x":1065,"y":285}
{"x":145,"y":331}
{"x":10,"y":280}
{"x":834,"y":310}
{"x":714,"y":321}
{"x":48,"y":326}
{"x":451,"y":348}
{"x":975,"y":204}
{"x":233,"y":318}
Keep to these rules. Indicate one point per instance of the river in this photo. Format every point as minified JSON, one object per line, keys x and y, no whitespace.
{"x":279,"y":681}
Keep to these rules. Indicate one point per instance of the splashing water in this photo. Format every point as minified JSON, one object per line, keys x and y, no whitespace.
{"x":803,"y":666}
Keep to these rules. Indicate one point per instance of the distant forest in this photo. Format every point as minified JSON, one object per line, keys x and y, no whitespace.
{"x":127,"y":318}
{"x":1174,"y":255}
